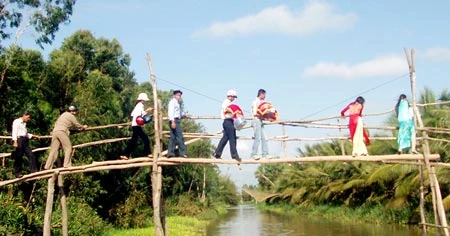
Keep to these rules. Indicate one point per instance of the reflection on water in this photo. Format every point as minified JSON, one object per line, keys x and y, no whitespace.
{"x":246,"y":220}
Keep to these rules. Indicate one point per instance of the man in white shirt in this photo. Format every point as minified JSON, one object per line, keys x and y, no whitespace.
{"x":229,"y":132}
{"x":258,"y":128}
{"x":20,"y":138}
{"x":176,"y":133}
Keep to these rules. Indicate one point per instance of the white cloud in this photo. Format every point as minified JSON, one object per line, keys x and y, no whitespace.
{"x":381,"y":66}
{"x":438,"y":54}
{"x":315,"y":17}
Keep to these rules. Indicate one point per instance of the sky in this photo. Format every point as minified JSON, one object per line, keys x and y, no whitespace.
{"x":312,"y":57}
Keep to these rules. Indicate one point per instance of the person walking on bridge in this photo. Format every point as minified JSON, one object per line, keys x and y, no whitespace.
{"x":20,"y":138}
{"x":358,"y":135}
{"x":138,"y":111}
{"x":176,"y":133}
{"x":258,"y":128}
{"x":229,"y":131}
{"x":60,"y":137}
{"x":406,"y":133}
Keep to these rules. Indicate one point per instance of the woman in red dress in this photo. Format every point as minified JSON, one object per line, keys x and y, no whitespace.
{"x":357,"y":133}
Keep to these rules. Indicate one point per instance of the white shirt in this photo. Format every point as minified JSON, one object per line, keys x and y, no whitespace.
{"x":174,"y":109}
{"x":255,"y":105}
{"x":225,"y":104}
{"x":19,"y":128}
{"x":137,"y":111}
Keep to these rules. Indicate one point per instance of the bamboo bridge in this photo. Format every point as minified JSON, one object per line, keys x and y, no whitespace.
{"x":157,"y":161}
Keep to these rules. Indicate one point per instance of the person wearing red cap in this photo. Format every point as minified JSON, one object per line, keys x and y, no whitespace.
{"x":138,"y":111}
{"x":229,"y":131}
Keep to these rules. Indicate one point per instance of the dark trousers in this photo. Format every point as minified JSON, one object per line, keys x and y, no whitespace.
{"x":22,"y":149}
{"x":137,"y":132}
{"x":176,"y":136}
{"x":229,"y":134}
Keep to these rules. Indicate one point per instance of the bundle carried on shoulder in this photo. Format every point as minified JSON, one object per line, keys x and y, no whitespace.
{"x":237,"y":114}
{"x":267,"y":111}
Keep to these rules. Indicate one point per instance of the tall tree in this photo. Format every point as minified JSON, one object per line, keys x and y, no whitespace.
{"x":44,"y":16}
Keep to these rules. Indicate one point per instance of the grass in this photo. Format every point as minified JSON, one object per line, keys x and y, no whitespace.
{"x":177,"y":226}
{"x":375,"y":214}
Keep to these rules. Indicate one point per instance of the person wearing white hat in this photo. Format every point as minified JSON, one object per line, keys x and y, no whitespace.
{"x":229,"y":131}
{"x":138,"y":111}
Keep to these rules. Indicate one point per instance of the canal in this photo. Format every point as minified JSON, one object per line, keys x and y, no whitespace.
{"x":246,"y":220}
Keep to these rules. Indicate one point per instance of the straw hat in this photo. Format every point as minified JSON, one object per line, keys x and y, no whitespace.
{"x":143,"y":97}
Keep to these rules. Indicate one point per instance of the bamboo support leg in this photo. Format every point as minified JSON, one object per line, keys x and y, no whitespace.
{"x":65,"y":228}
{"x":422,"y":202}
{"x":49,"y":205}
{"x":159,"y":231}
{"x":440,"y":205}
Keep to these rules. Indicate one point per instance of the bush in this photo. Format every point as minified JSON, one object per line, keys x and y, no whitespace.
{"x":134,"y":213}
{"x":82,"y":219}
{"x":13,"y":216}
{"x":183,"y":205}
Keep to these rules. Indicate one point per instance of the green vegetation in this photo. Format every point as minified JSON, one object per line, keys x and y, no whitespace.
{"x":377,"y":192}
{"x":44,"y":16}
{"x":177,"y":225}
{"x":94,"y":74}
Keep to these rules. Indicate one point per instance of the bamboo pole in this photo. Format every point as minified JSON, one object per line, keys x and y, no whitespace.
{"x":156,"y":175}
{"x":146,"y":161}
{"x":162,"y":206}
{"x":83,"y":145}
{"x":423,"y":220}
{"x":434,"y":183}
{"x":283,"y":143}
{"x":64,"y":219}
{"x":49,"y":204}
{"x":416,"y":117}
{"x":300,"y":123}
{"x":203,"y":197}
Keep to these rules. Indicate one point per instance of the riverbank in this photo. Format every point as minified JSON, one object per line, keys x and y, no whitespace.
{"x":374,"y":214}
{"x":177,"y":225}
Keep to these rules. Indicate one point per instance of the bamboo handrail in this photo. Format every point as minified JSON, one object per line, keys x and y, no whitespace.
{"x":296,"y":123}
{"x":76,"y":146}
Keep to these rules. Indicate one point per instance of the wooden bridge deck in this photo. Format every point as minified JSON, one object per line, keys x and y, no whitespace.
{"x":148,"y":161}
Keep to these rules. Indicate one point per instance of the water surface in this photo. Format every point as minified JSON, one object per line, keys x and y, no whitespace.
{"x":246,"y":220}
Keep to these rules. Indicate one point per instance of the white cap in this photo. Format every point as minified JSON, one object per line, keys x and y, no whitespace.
{"x":143,"y":97}
{"x":231,"y":92}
